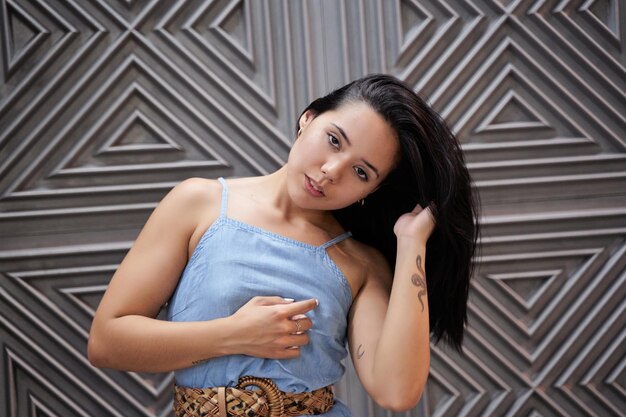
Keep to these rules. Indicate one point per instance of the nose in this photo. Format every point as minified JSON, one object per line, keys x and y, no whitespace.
{"x":333,"y":168}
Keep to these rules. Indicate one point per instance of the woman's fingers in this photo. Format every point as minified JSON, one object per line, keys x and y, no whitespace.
{"x":428,"y":210}
{"x":271,"y":300}
{"x":297,"y":340}
{"x":288,"y":346}
{"x":294,"y":308}
{"x":301,"y":324}
{"x":274,"y":327}
{"x":300,"y":307}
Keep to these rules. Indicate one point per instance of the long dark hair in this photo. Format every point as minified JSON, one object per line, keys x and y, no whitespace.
{"x":431,"y":170}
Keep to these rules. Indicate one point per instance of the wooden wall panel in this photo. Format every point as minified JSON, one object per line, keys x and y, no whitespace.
{"x":106,"y":105}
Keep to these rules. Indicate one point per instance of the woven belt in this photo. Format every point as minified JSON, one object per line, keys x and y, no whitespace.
{"x":269,"y":401}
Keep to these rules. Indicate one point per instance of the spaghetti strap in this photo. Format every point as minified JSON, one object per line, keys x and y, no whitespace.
{"x":224,"y":205}
{"x":336,"y":239}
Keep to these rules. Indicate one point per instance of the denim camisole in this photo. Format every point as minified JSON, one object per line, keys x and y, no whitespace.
{"x":235,"y":261}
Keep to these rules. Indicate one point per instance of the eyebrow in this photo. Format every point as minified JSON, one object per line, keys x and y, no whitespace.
{"x":345,"y":137}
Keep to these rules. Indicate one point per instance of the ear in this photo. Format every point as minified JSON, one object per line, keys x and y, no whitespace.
{"x":306,"y":118}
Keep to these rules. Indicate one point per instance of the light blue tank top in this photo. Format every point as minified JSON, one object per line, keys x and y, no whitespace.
{"x":235,"y":261}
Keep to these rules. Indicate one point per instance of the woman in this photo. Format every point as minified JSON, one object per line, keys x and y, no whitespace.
{"x":268,"y":276}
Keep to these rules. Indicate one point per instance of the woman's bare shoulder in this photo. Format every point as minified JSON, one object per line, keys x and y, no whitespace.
{"x":370,"y":260}
{"x":197,"y":190}
{"x":199,"y":199}
{"x":195,"y":196}
{"x":359,"y":263}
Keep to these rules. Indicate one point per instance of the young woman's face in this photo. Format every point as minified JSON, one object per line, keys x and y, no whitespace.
{"x":340,"y":156}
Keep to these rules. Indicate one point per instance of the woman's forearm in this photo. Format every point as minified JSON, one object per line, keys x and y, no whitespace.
{"x":143,"y":344}
{"x":402,"y":358}
{"x":264,"y":327}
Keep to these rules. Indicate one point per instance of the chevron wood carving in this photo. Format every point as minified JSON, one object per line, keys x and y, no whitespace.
{"x":106,"y":105}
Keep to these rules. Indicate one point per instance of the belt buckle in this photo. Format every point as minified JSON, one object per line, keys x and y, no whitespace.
{"x":275,"y":398}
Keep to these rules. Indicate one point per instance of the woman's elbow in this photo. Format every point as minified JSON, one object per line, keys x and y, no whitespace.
{"x":96,"y":351}
{"x":400,"y":399}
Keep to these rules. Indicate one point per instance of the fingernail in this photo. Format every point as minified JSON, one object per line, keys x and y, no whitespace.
{"x":289,"y":300}
{"x":293,"y":347}
{"x":298,"y":317}
{"x":317,"y":302}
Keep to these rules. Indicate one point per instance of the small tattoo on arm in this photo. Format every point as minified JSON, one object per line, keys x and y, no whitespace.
{"x":419,"y":280}
{"x":359,"y":352}
{"x":199,"y":361}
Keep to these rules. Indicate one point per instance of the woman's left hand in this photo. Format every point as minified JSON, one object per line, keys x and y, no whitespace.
{"x":416,"y":225}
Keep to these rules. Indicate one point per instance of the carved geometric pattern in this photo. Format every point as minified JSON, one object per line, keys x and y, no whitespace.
{"x":106,"y":105}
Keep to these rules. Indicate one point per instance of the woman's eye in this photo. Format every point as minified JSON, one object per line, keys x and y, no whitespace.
{"x":361,"y":173}
{"x":333,"y":141}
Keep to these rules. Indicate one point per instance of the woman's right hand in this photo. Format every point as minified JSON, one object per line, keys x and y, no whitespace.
{"x":266,"y":327}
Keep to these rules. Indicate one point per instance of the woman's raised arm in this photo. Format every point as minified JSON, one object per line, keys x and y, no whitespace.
{"x":389,"y":324}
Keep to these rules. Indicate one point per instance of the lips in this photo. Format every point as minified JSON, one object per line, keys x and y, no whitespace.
{"x":312,"y":187}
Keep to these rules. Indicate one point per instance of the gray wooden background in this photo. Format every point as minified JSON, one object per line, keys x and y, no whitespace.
{"x":106,"y":105}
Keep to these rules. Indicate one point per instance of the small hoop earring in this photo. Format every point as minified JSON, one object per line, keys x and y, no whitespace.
{"x":362,"y":202}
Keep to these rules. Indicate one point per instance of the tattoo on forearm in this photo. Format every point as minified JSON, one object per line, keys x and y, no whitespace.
{"x":419,"y":280}
{"x":199,"y":361}
{"x":359,"y":352}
